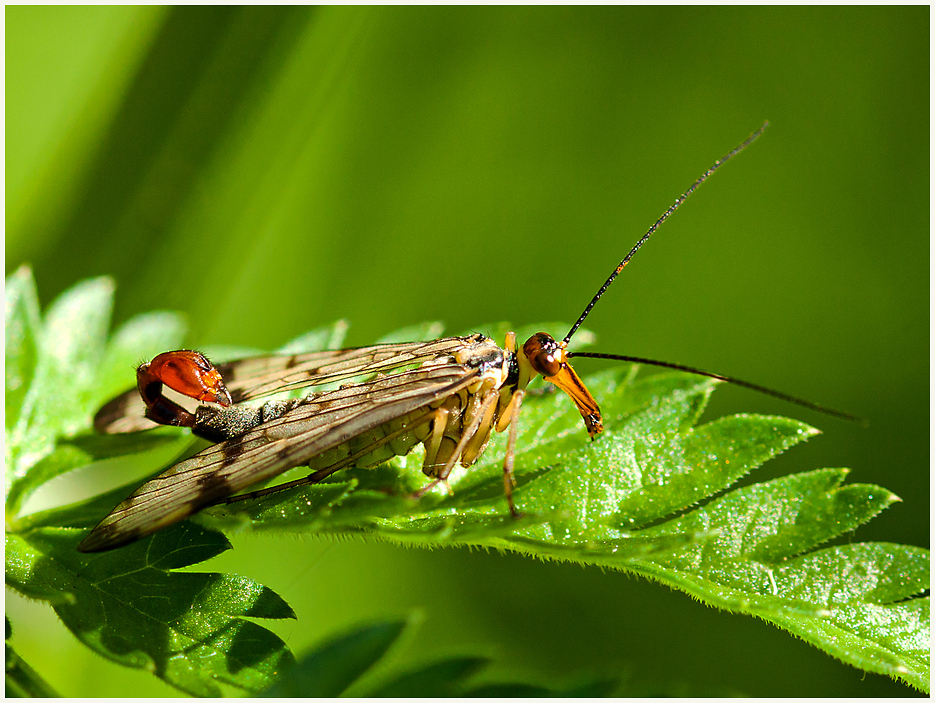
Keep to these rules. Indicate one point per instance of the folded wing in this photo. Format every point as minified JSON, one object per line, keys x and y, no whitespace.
{"x":327,"y":420}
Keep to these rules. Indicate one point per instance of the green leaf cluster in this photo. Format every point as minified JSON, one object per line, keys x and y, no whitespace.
{"x":653,"y":496}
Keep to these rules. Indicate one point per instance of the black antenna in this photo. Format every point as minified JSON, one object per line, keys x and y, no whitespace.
{"x":736,"y":381}
{"x":665,"y":215}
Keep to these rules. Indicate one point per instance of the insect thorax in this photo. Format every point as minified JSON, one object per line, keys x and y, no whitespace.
{"x":480,"y":352}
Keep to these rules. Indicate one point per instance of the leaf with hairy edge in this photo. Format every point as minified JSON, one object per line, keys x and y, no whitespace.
{"x":132,"y":607}
{"x":842,"y":599}
{"x":62,"y":392}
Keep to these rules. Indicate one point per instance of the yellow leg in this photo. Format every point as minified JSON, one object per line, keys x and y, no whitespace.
{"x":509,"y":480}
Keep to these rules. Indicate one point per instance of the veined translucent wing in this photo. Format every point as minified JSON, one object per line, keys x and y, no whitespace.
{"x":325,"y":421}
{"x":256,"y":377}
{"x":262,"y":376}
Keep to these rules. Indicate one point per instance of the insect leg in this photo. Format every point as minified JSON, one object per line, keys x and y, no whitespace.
{"x":429,"y":486}
{"x":446,"y":437}
{"x":481,"y":436}
{"x":509,"y":480}
{"x":443,"y":414}
{"x":488,"y":400}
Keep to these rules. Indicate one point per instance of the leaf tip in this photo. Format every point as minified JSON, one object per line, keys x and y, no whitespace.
{"x":24,"y":271}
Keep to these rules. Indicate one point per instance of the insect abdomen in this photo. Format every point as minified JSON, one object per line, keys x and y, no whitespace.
{"x":396,"y":438}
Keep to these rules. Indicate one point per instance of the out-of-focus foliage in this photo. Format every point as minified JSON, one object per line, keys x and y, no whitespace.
{"x":266,"y":171}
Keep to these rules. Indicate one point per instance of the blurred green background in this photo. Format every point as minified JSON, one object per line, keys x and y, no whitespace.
{"x":267,"y":171}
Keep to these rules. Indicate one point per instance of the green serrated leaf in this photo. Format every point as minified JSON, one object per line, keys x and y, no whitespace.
{"x":295,"y":510}
{"x":463,"y":528}
{"x":614,"y":553}
{"x":891,"y":639}
{"x":716,"y":455}
{"x":61,"y":396}
{"x":63,"y":458}
{"x":866,"y":625}
{"x":21,"y":332}
{"x":866,"y":572}
{"x":599,"y":481}
{"x":74,"y":332}
{"x":79,"y":452}
{"x":98,"y":447}
{"x":775,"y":520}
{"x":131,"y":607}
